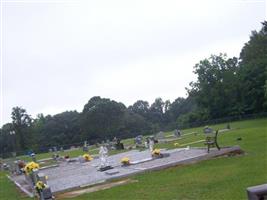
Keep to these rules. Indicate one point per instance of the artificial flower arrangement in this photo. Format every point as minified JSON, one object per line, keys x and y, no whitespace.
{"x":176,"y":144}
{"x":30,"y":167}
{"x":87,"y":157}
{"x":125,"y":161}
{"x":156,"y":153}
{"x":39,"y":186}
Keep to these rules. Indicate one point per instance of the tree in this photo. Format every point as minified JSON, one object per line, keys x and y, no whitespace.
{"x":7,"y":140}
{"x":140,"y":107}
{"x":253,"y":71}
{"x":21,"y":123}
{"x":217,"y":87}
{"x":102,"y":118}
{"x":157,"y":112}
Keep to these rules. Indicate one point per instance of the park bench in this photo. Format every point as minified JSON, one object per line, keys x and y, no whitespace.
{"x":211,"y":140}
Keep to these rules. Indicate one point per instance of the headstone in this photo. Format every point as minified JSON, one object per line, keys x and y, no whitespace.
{"x":42,"y":177}
{"x":33,"y":157}
{"x":61,"y":149}
{"x":81,"y":159}
{"x":119,"y":145}
{"x":151,"y":145}
{"x":17,"y":168}
{"x":103,"y":156}
{"x":47,"y":193}
{"x":85,"y":147}
{"x":109,"y":144}
{"x":55,"y":149}
{"x":146,"y":144}
{"x":207,"y":130}
{"x":138,"y":139}
{"x":160,"y":135}
{"x":177,"y":133}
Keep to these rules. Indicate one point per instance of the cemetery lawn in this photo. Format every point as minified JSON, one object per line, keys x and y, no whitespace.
{"x":219,"y":178}
{"x":8,"y":191}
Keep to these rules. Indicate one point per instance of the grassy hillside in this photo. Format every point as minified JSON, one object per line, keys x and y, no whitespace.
{"x":220,"y":178}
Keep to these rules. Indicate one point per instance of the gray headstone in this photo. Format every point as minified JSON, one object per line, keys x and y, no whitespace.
{"x":47,"y":193}
{"x":139,"y":139}
{"x":177,"y":133}
{"x":208,"y":130}
{"x":159,"y":135}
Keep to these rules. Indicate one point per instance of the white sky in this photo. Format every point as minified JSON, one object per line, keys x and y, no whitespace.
{"x":59,"y":54}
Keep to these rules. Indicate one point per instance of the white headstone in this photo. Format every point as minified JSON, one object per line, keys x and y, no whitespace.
{"x":103,"y":156}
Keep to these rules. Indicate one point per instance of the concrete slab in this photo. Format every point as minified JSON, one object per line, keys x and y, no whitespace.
{"x":75,"y":175}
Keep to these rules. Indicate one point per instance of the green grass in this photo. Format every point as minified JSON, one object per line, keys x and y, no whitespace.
{"x":220,"y":178}
{"x":8,"y":191}
{"x":71,"y":153}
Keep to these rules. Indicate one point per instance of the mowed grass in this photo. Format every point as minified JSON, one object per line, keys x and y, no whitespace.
{"x":220,"y":178}
{"x":70,"y":153}
{"x":8,"y":191}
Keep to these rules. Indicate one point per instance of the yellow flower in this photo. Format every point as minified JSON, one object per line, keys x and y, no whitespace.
{"x":40,"y":186}
{"x":125,"y":161}
{"x":156,"y":152}
{"x":87,"y":157}
{"x":176,"y":144}
{"x":30,"y":167}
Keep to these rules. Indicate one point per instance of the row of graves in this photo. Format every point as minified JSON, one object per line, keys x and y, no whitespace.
{"x":89,"y":170}
{"x":141,"y":141}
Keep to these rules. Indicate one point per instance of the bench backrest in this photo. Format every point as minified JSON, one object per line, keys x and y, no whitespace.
{"x":212,"y":137}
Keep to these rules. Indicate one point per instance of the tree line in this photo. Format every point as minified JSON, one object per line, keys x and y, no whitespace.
{"x":224,"y":87}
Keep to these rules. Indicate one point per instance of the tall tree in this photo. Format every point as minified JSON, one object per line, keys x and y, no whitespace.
{"x":21,"y":122}
{"x":253,"y":72}
{"x":217,"y":86}
{"x":102,"y":118}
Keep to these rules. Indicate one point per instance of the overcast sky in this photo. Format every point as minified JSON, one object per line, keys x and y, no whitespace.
{"x":59,"y":54}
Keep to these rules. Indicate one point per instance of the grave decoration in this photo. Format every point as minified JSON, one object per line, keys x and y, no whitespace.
{"x":151,"y":145}
{"x":103,"y":156}
{"x":39,"y":186}
{"x":28,"y":169}
{"x":19,"y":167}
{"x":156,"y":153}
{"x":43,"y":190}
{"x":125,"y":161}
{"x":87,"y":157}
{"x":176,"y":144}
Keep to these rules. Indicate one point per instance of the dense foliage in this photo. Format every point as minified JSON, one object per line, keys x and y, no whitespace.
{"x":224,"y":87}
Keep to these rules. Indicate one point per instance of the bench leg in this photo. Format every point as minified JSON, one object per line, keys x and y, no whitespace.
{"x":217,"y":146}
